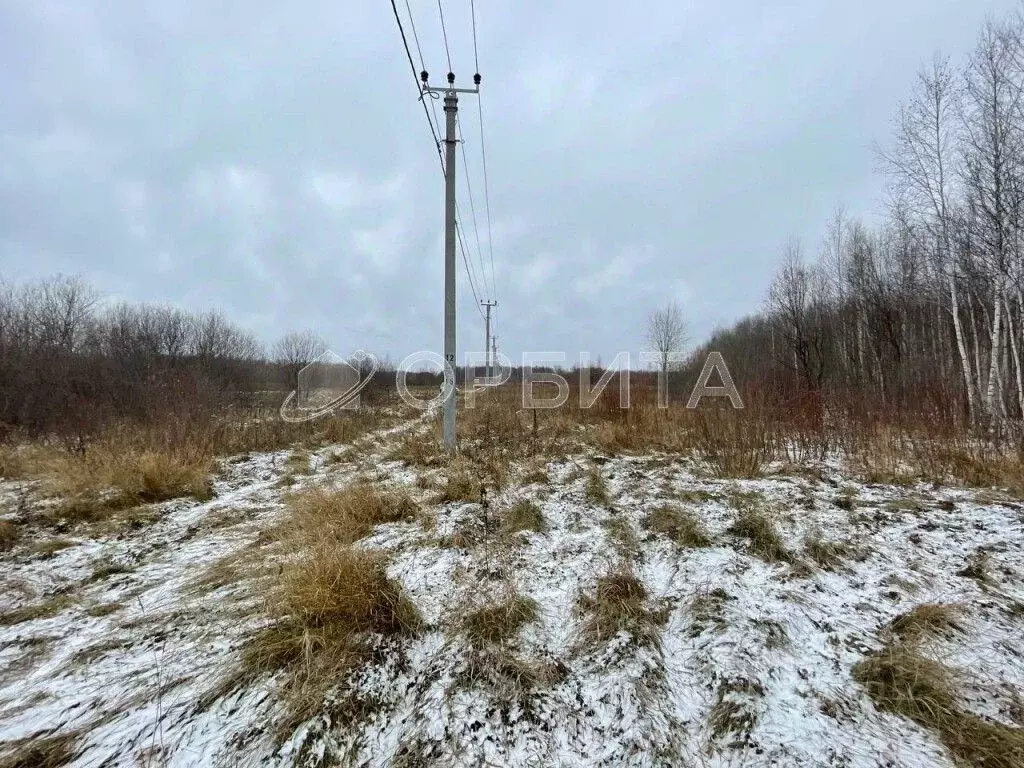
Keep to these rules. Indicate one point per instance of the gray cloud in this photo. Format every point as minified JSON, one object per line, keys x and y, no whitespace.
{"x":271,"y":159}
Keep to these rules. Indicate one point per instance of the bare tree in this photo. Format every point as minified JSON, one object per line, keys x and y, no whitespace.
{"x":921,"y":162}
{"x":666,"y":333}
{"x":991,"y":171}
{"x":297,"y":349}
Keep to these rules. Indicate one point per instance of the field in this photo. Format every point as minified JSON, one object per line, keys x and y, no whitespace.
{"x":541,"y":599}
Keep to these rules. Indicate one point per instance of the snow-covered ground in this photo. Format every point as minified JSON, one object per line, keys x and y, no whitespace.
{"x":137,"y":627}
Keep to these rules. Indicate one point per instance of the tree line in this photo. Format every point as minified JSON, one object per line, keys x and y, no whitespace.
{"x":926,"y":310}
{"x":72,"y":364}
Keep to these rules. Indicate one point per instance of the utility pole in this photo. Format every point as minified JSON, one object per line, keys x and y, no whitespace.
{"x":487,"y":335}
{"x":494,"y":349}
{"x":451,"y":110}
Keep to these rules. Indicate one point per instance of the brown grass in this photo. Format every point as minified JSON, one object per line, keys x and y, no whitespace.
{"x":756,"y":526}
{"x":44,"y":610}
{"x":927,"y":619}
{"x":348,"y":514}
{"x":977,"y":567}
{"x":524,"y":515}
{"x":597,"y":488}
{"x":42,"y":751}
{"x":8,"y":535}
{"x":731,"y":713}
{"x":14,"y":462}
{"x":734,"y":443}
{"x":332,"y":605}
{"x":901,"y":681}
{"x":679,"y":525}
{"x":329,"y":606}
{"x":498,"y":623}
{"x":417,"y":450}
{"x":106,"y":480}
{"x":460,"y":486}
{"x":297,"y":462}
{"x":826,"y":553}
{"x":618,"y":604}
{"x":351,"y":425}
{"x":50,"y":547}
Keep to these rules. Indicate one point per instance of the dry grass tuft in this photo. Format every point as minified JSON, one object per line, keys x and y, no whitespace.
{"x":460,"y":486}
{"x":679,"y":525}
{"x":597,"y":488}
{"x":535,"y":474}
{"x":42,"y":752}
{"x":901,"y":681}
{"x":827,"y":554}
{"x":498,"y":623}
{"x":927,"y":619}
{"x":347,"y":426}
{"x":44,"y":610}
{"x":618,"y":604}
{"x":977,"y":567}
{"x":8,"y":535}
{"x":524,"y":515}
{"x":347,"y":587}
{"x":621,"y":534}
{"x":107,"y":480}
{"x":732,"y":714}
{"x":416,"y":450}
{"x":734,"y":444}
{"x":297,"y":463}
{"x":348,"y":514}
{"x":708,"y":609}
{"x":755,"y":525}
{"x":330,"y":605}
{"x":508,"y":676}
{"x":14,"y":462}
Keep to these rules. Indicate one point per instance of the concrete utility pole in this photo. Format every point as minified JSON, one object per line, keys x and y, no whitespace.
{"x":451,"y":110}
{"x":487,"y":336}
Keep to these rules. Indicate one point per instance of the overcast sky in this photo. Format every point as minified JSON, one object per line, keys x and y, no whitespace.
{"x":270,"y":159}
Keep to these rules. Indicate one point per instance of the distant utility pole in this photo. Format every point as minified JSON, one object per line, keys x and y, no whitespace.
{"x":451,"y":110}
{"x":494,"y":349}
{"x":487,"y":335}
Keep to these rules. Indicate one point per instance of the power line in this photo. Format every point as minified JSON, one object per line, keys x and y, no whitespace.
{"x":465,"y":261}
{"x":472,"y":210}
{"x":423,"y":97}
{"x":487,"y":195}
{"x":483,"y":152}
{"x":416,"y":80}
{"x":476,"y":57}
{"x":444,"y":33}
